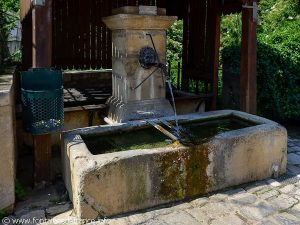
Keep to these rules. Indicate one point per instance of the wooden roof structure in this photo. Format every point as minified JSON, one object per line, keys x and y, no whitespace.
{"x":70,"y":34}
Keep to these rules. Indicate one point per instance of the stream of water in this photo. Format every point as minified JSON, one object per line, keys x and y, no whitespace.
{"x":174,"y":107}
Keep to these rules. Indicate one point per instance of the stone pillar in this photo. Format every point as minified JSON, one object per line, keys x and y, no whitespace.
{"x":7,"y":140}
{"x":131,"y":33}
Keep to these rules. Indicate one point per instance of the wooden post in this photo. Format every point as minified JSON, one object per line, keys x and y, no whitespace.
{"x":248,"y":60}
{"x":216,"y":46}
{"x":42,"y":35}
{"x":42,"y":57}
{"x":185,"y":77}
{"x":42,"y":157}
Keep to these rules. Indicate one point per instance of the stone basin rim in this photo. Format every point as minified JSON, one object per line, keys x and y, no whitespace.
{"x":74,"y":137}
{"x":181,"y":119}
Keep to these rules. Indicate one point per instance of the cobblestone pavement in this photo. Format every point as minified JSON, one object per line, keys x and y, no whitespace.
{"x":272,"y":201}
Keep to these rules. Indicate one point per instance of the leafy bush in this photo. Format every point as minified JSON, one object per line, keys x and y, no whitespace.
{"x":231,"y":30}
{"x":174,"y":42}
{"x":278,"y":57}
{"x":9,"y":14}
{"x":174,"y":48}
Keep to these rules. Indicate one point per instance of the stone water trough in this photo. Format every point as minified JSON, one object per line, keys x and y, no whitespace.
{"x":114,"y":169}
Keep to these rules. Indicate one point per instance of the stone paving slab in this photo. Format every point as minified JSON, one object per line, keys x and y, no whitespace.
{"x":294,"y":159}
{"x":269,"y":202}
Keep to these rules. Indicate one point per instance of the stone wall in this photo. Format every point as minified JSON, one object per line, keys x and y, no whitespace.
{"x":7,"y":143}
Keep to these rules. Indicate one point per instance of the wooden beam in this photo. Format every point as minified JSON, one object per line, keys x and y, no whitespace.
{"x":185,"y":51}
{"x":231,"y":7}
{"x":42,"y":35}
{"x":42,"y":57}
{"x":215,"y":55}
{"x":27,"y":42}
{"x":25,"y":8}
{"x":248,"y":61}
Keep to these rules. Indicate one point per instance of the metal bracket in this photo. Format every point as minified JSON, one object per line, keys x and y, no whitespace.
{"x":38,"y":3}
{"x":254,"y":11}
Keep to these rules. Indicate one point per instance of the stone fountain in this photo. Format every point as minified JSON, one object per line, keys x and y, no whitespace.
{"x":138,"y":59}
{"x":124,"y":167}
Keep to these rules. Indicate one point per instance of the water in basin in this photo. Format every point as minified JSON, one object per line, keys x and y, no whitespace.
{"x":202,"y":131}
{"x":195,"y":132}
{"x":131,"y":140}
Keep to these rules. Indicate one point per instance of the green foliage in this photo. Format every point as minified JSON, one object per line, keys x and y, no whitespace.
{"x":174,"y":48}
{"x":17,"y":56}
{"x":277,"y":13}
{"x":174,"y":41}
{"x":19,"y":191}
{"x":231,"y":30}
{"x":278,"y":57}
{"x":9,"y":13}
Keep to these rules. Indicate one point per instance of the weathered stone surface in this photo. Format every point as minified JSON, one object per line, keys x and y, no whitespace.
{"x":119,"y":221}
{"x":133,"y":180}
{"x":287,"y":189}
{"x":295,"y":149}
{"x":293,"y":142}
{"x":267,"y":222}
{"x":199,"y":215}
{"x":243,"y":199}
{"x":156,"y":222}
{"x":294,"y":159}
{"x":258,"y":211}
{"x":287,"y":219}
{"x":138,"y":22}
{"x":231,"y":219}
{"x":199,"y":202}
{"x":218,"y":197}
{"x":234,"y":191}
{"x":292,"y":169}
{"x":268,"y":194}
{"x":295,"y":210}
{"x":218,"y":208}
{"x":66,"y":218}
{"x":273,"y":183}
{"x":147,"y":10}
{"x":297,"y":192}
{"x":58,"y":209}
{"x":7,"y":140}
{"x":283,"y":202}
{"x":179,"y":218}
{"x":139,"y":218}
{"x":182,"y":206}
{"x":256,"y":186}
{"x":131,"y":33}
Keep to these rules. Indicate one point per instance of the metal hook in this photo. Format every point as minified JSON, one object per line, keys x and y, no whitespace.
{"x":255,"y":10}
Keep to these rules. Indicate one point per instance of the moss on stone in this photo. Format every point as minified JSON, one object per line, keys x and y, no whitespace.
{"x":197,"y":180}
{"x":172,"y":175}
{"x":183,"y":173}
